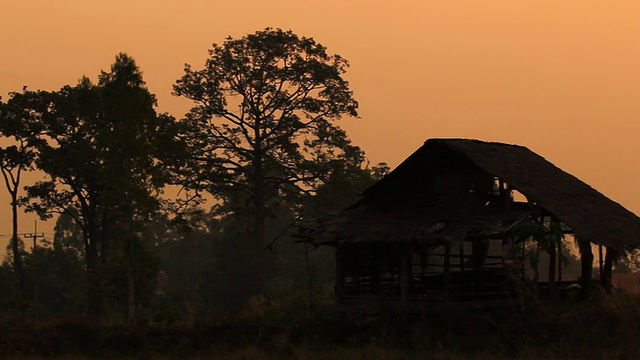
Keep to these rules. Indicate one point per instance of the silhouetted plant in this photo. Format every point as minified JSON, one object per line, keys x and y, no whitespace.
{"x":99,"y":145}
{"x":263,"y":123}
{"x":14,"y":160}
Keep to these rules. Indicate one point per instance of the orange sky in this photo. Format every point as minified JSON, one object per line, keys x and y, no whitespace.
{"x":560,"y":77}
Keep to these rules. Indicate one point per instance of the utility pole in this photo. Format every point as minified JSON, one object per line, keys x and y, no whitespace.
{"x":35,"y":237}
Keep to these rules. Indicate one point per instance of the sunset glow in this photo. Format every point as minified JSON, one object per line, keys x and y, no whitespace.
{"x":561,"y":78}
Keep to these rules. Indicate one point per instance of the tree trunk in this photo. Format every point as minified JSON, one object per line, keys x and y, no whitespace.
{"x":94,"y":291}
{"x":17,"y":259}
{"x":131,"y":303}
{"x":95,"y":296}
{"x":259,"y":235}
{"x":131,"y":288}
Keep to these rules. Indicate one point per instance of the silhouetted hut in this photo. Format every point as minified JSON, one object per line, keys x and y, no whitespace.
{"x":452,"y":223}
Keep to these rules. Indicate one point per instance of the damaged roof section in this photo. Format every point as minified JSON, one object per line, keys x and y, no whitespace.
{"x":447,"y":190}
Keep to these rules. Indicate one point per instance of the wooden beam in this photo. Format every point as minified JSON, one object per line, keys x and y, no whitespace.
{"x":586,"y":266}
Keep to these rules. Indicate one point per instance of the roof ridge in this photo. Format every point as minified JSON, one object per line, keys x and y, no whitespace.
{"x":486,"y":142}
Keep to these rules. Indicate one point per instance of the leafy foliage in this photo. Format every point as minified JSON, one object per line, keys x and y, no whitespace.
{"x":14,"y":160}
{"x":98,"y":144}
{"x":262,"y":119}
{"x":261,"y":139}
{"x":263,"y":125}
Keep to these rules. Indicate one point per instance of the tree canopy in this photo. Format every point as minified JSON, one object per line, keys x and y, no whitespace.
{"x":263,"y":121}
{"x":98,"y":145}
{"x":262,"y":139}
{"x":263,"y":110}
{"x":15,"y":159}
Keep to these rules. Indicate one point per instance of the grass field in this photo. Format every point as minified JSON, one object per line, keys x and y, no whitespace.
{"x":604,"y":329}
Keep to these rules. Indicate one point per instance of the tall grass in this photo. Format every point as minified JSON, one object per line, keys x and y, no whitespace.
{"x":607,"y":328}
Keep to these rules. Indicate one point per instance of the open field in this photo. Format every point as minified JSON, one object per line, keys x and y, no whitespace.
{"x":607,"y":329}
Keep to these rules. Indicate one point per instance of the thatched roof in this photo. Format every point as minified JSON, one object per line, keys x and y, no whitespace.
{"x":362,"y":224}
{"x":590,"y":214}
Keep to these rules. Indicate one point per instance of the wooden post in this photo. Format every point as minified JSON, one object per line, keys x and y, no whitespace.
{"x":586,"y":261}
{"x":465,"y":283}
{"x":600,"y":260}
{"x":606,"y":279}
{"x":405,"y":275}
{"x":447,"y":268}
{"x":424,"y":260}
{"x":553,"y":288}
{"x":340,"y":274}
{"x":560,"y":261}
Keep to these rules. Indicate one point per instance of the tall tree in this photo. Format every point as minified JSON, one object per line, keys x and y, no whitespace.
{"x":98,"y":144}
{"x":15,"y":159}
{"x":263,"y":121}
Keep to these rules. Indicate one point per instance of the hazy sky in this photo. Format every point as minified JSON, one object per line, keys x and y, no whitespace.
{"x":560,"y":77}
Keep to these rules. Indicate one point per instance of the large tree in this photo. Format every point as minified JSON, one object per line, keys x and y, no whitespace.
{"x":16,"y":158}
{"x":263,"y":121}
{"x":98,"y":144}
